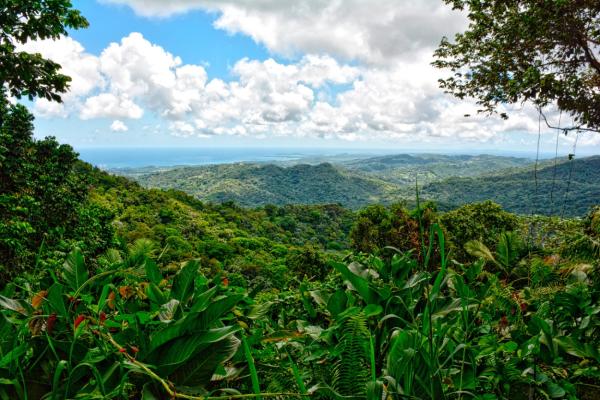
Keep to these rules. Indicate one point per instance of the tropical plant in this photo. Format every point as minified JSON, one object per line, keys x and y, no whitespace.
{"x":123,"y":331}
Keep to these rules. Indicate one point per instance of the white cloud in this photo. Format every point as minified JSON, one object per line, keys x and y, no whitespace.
{"x":109,"y":105}
{"x":390,"y":93}
{"x":118,"y":126}
{"x":374,"y":31}
{"x":83,"y":68}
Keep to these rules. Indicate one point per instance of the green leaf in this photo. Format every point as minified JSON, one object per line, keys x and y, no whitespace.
{"x":554,"y":390}
{"x":337,"y":303}
{"x":202,"y":300}
{"x":183,"y":283}
{"x":479,"y":250}
{"x":258,"y":311}
{"x":147,"y":393}
{"x":195,"y":322}
{"x":74,"y":269}
{"x":152,"y":271}
{"x":155,"y":294}
{"x":252,"y":368}
{"x":181,"y":349}
{"x":56,"y":300}
{"x":13,"y":355}
{"x":372,"y":309}
{"x":359,"y":284}
{"x":199,"y":370}
{"x":306,"y":300}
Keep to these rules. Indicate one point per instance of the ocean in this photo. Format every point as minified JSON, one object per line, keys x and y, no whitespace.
{"x":109,"y":158}
{"x":137,"y":157}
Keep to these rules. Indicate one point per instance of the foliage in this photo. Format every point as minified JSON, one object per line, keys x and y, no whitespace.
{"x":261,"y":184}
{"x":519,"y":50}
{"x":116,"y":334}
{"x":483,"y":222}
{"x":377,"y":227}
{"x":43,"y":203}
{"x":568,"y":190}
{"x":27,"y":74}
{"x":412,"y":323}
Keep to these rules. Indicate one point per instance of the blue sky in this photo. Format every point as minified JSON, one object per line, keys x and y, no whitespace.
{"x":271,"y":73}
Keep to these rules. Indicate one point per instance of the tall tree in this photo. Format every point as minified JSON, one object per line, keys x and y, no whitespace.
{"x":543,"y":51}
{"x":41,"y":197}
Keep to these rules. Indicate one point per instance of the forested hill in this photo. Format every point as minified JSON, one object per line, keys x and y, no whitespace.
{"x":517,"y":191}
{"x":450,"y":181}
{"x":402,"y":168}
{"x":259,"y":184}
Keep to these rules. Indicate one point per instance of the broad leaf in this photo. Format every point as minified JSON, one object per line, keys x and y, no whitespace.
{"x":199,"y":370}
{"x":359,"y":284}
{"x":152,"y":271}
{"x":183,"y":284}
{"x":74,"y":269}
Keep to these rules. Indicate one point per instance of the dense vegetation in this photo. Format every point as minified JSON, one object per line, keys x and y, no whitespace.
{"x":403,"y":168}
{"x":257,"y":184}
{"x":569,"y":189}
{"x":113,"y":291}
{"x":194,"y":300}
{"x":450,"y":181}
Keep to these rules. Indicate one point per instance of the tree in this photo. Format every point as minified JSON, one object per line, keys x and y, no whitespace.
{"x":27,"y":74}
{"x":42,"y":198}
{"x":543,"y":51}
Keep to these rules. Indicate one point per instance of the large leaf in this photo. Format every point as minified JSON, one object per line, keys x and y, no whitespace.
{"x":168,"y":310}
{"x":479,"y":250}
{"x":337,"y":303}
{"x":14,"y":305}
{"x":508,"y":249}
{"x":183,"y":284}
{"x":199,"y":370}
{"x":13,"y":355}
{"x":56,"y":300}
{"x":74,"y":269}
{"x":152,"y":271}
{"x":195,"y":322}
{"x":156,"y":295}
{"x":181,"y":349}
{"x":202,"y":300}
{"x":359,"y":284}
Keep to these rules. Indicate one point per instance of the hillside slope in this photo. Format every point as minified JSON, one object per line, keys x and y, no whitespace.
{"x":402,"y":168}
{"x":516,"y":191}
{"x":259,"y":184}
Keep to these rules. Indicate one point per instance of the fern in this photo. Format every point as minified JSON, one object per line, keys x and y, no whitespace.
{"x":280,"y":380}
{"x":351,"y":370}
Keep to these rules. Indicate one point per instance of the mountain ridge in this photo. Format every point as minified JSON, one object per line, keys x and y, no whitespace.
{"x":448,"y":180}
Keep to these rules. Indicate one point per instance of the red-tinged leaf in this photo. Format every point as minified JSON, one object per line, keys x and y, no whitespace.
{"x":50,"y":323}
{"x":39,"y":297}
{"x":78,"y":321}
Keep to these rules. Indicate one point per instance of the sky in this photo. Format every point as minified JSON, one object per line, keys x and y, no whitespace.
{"x":273,"y":73}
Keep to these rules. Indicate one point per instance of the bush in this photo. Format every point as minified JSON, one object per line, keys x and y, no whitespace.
{"x":478,"y":221}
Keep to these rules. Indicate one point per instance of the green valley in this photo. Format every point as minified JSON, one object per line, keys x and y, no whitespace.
{"x":450,"y":181}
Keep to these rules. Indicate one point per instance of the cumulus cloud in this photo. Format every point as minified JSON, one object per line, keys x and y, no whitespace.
{"x":83,"y":68}
{"x":118,"y":126}
{"x":110,"y":105}
{"x":388,"y":92}
{"x":375,"y":31}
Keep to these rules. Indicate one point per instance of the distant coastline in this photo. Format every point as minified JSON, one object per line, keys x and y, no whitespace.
{"x":137,"y":157}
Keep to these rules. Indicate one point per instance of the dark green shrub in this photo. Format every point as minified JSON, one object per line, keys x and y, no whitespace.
{"x":478,"y":221}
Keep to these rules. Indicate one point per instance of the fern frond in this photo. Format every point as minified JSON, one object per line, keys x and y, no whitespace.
{"x":351,"y":370}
